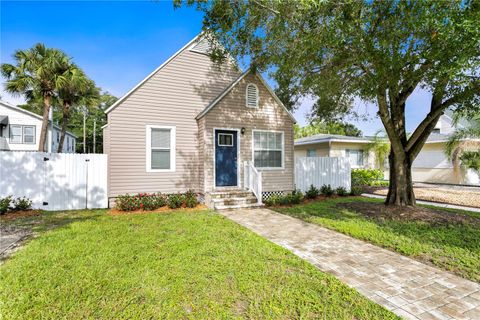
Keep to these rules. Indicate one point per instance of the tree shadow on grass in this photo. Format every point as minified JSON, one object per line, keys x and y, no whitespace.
{"x":49,"y":220}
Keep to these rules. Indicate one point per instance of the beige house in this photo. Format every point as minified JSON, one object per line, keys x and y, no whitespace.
{"x":194,"y":124}
{"x":431,"y":164}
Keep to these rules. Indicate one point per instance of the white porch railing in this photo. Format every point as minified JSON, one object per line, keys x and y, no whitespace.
{"x":252,"y":180}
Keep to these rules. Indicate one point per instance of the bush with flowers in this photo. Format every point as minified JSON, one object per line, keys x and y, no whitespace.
{"x":153,"y":201}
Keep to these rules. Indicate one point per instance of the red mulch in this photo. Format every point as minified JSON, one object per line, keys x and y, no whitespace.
{"x":12,"y":215}
{"x":381,"y":211}
{"x":116,"y":212}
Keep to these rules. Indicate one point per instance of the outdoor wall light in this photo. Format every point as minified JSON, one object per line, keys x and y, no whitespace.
{"x":242,"y":130}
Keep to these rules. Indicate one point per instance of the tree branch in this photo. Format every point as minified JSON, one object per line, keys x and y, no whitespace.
{"x":261,"y":5}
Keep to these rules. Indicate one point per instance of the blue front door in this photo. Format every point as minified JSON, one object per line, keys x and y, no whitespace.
{"x":225,"y":158}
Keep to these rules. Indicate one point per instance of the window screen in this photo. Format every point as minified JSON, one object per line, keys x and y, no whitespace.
{"x":16,"y":134}
{"x":355,"y":157}
{"x":28,"y":134}
{"x":268,"y":149}
{"x":311,"y":153}
{"x":160,"y":148}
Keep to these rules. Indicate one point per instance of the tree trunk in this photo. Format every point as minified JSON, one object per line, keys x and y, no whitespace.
{"x":65,"y":116}
{"x":400,"y":190}
{"x":44,"y":130}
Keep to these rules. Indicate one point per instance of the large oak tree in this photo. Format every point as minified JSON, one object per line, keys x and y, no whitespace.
{"x":376,"y":51}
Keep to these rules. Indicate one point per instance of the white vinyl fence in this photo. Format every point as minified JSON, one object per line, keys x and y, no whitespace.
{"x":55,"y":181}
{"x":321,"y":171}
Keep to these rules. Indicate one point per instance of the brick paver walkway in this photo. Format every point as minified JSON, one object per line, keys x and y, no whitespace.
{"x":407,"y":287}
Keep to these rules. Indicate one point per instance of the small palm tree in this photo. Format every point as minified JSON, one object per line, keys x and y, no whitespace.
{"x":380,"y":147}
{"x":460,"y":143}
{"x":75,"y":89}
{"x":35,"y":75}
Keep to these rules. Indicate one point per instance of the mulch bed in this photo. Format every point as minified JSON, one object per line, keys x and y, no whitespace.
{"x":116,"y":212}
{"x":20,"y":214}
{"x":428,"y":215}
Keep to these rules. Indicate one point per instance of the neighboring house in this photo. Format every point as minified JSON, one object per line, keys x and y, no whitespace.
{"x":193,"y":124}
{"x":20,"y":131}
{"x":431,"y":164}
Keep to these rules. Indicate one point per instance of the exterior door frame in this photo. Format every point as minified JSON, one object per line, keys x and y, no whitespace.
{"x":238,"y":186}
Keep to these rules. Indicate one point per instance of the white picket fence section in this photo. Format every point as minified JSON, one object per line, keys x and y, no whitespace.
{"x":319,"y":171}
{"x":55,"y":181}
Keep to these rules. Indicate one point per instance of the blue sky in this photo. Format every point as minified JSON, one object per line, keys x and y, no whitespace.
{"x":118,"y":43}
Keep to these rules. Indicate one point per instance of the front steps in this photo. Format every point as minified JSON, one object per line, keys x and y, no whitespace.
{"x":231,"y":199}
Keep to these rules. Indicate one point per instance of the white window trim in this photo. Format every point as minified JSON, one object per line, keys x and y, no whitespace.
{"x":22,"y":133}
{"x":148,"y":148}
{"x":283,"y":150}
{"x":224,"y":134}
{"x":246,"y":95}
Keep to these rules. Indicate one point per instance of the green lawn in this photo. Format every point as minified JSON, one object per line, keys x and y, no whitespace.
{"x":454,"y":247}
{"x":198,"y":265}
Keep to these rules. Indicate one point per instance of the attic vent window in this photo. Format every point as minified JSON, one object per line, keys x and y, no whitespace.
{"x":252,"y":96}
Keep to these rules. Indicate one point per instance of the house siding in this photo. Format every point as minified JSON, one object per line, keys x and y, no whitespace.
{"x":173,"y":96}
{"x":231,"y":112}
{"x":322,"y":150}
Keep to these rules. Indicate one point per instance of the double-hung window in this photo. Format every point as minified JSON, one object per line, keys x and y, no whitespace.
{"x":22,"y":134}
{"x":355,"y":157}
{"x":268,"y":149}
{"x":160,"y":148}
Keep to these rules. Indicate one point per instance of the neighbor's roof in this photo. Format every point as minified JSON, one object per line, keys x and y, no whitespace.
{"x":325,"y":138}
{"x":322,"y":138}
{"x":34,"y":115}
{"x":233,"y":84}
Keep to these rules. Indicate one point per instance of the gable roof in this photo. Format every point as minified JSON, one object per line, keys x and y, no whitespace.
{"x":34,"y":115}
{"x":233,"y":84}
{"x":126,"y":95}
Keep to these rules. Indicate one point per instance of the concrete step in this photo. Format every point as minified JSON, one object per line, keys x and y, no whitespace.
{"x":235,"y":200}
{"x":230,"y":194}
{"x":238,"y":206}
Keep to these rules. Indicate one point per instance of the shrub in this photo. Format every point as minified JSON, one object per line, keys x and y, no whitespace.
{"x":191,"y":200}
{"x":5,"y":204}
{"x":175,"y":200}
{"x":22,"y":204}
{"x":341,"y":191}
{"x":295,"y":197}
{"x":365,"y":177}
{"x":356,"y":190}
{"x":379,"y":183}
{"x":127,"y":202}
{"x":312,"y":192}
{"x":282,"y":200}
{"x":151,"y":201}
{"x":327,"y":190}
{"x":273,"y":200}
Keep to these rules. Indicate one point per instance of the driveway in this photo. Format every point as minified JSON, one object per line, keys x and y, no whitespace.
{"x":407,"y":287}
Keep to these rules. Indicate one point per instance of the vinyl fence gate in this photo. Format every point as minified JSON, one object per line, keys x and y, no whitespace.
{"x":319,"y":171}
{"x":55,"y":181}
